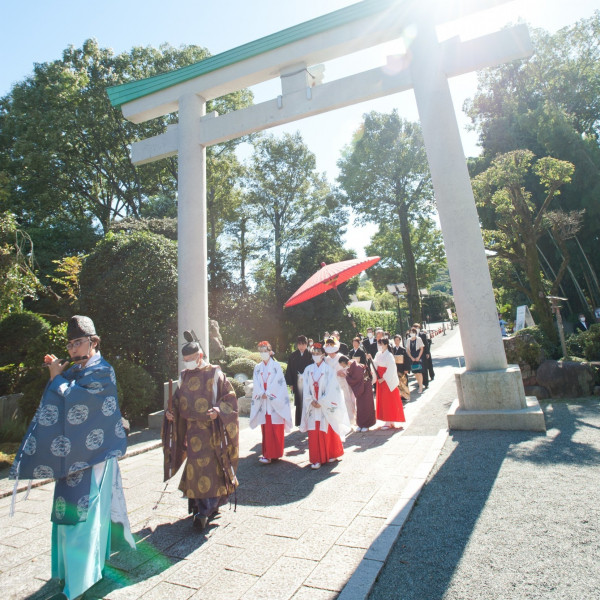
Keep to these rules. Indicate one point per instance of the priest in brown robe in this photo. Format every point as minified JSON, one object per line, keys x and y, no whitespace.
{"x":205,"y":431}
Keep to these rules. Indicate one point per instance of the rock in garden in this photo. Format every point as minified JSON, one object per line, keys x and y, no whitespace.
{"x":566,"y":379}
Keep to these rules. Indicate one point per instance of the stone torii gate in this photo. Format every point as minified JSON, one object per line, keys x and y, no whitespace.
{"x":490,"y":392}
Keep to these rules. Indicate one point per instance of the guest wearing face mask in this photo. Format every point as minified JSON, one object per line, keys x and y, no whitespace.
{"x":581,"y":324}
{"x":370,"y":344}
{"x":332,"y":348}
{"x":270,"y":407}
{"x":297,"y":362}
{"x":357,"y":353}
{"x":389,"y":402}
{"x":415,"y":351}
{"x":324,"y":416}
{"x":204,"y":409}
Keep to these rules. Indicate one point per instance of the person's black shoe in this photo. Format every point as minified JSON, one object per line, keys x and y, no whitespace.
{"x":200,"y":522}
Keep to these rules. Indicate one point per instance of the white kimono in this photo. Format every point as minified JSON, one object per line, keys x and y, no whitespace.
{"x":333,"y":406}
{"x":334,"y":363}
{"x":277,"y":403}
{"x":386,"y":359}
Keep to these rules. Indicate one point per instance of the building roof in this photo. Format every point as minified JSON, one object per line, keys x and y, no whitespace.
{"x":127,"y":92}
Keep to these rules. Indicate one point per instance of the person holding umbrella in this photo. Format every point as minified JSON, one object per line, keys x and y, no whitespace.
{"x":270,"y":407}
{"x":324,"y":414}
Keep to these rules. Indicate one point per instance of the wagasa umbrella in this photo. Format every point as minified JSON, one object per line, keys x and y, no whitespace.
{"x":328,"y":277}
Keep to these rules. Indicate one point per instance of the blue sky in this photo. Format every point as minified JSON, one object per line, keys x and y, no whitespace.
{"x":39,"y":30}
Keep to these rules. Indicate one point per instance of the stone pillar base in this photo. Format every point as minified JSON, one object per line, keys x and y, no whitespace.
{"x":530,"y":418}
{"x":494,"y":400}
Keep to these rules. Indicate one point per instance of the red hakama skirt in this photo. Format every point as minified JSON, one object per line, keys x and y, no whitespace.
{"x":323,"y":445}
{"x":389,"y":403}
{"x":273,"y":438}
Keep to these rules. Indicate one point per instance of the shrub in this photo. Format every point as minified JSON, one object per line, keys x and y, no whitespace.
{"x":17,"y":331}
{"x":550,"y":349}
{"x":138,"y":392}
{"x":370,"y":318}
{"x":242,"y":365}
{"x":13,"y":430}
{"x":238,"y":387}
{"x":129,"y":288}
{"x":233,"y":353}
{"x":255,"y":356}
{"x":283,"y":366}
{"x":585,"y":344}
{"x":524,"y":349}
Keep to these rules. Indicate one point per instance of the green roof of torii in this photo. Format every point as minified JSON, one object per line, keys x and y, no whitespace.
{"x":127,"y":92}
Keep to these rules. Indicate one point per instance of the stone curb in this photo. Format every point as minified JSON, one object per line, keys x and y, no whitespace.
{"x":133,"y":452}
{"x":360,"y":584}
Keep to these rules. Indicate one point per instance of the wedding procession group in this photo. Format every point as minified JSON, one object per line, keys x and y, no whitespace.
{"x":77,"y":434}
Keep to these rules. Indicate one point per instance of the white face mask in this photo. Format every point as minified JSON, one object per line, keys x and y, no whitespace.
{"x":317,"y":358}
{"x":582,"y":319}
{"x":413,"y":336}
{"x":265,"y":355}
{"x":370,"y":336}
{"x":190,"y":364}
{"x":331,"y":349}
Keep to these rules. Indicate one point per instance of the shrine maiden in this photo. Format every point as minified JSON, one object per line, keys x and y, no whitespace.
{"x":270,"y":407}
{"x":324,"y":413}
{"x":389,"y":402}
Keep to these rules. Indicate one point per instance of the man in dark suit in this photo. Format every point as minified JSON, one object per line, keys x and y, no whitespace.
{"x":426,"y":360}
{"x":370,"y":343}
{"x":356,"y":352}
{"x":582,"y":324}
{"x":297,"y":362}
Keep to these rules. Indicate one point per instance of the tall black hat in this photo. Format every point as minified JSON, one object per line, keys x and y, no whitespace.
{"x":80,"y":326}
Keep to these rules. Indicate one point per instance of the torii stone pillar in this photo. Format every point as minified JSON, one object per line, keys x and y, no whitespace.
{"x":490,"y":392}
{"x":192,"y":257}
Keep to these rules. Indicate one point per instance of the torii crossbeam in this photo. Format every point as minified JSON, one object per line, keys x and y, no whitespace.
{"x":490,"y":392}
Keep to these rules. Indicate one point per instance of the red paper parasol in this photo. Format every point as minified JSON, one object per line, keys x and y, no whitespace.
{"x":328,"y":277}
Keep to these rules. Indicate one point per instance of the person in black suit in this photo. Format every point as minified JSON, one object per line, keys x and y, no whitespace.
{"x":370,"y":343}
{"x":297,"y":362}
{"x":582,"y":324}
{"x":356,"y":352}
{"x":426,"y":360}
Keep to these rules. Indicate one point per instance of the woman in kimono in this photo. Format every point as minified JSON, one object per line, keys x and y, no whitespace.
{"x":75,"y":437}
{"x":362,"y":388}
{"x":324,"y":413}
{"x":389,"y":402}
{"x":270,"y":407}
{"x":332,"y":347}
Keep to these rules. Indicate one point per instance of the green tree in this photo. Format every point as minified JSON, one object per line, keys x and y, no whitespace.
{"x":129,"y":288}
{"x":65,"y":150}
{"x":550,"y":104}
{"x":16,"y":266}
{"x":287,"y":199}
{"x":385,"y":176}
{"x":515,"y":218}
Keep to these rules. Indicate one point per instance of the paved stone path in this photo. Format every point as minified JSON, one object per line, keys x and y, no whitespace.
{"x":296,"y":533}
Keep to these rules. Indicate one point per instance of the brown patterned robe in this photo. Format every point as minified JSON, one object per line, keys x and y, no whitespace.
{"x":211,"y":447}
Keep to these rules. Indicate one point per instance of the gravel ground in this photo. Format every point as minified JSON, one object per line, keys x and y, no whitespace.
{"x":505,"y":515}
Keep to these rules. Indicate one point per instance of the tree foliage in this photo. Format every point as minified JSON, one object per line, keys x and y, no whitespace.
{"x":550,"y":105}
{"x":385,"y":176}
{"x":16,"y":266}
{"x":129,"y":288}
{"x":515,"y":214}
{"x":65,"y":149}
